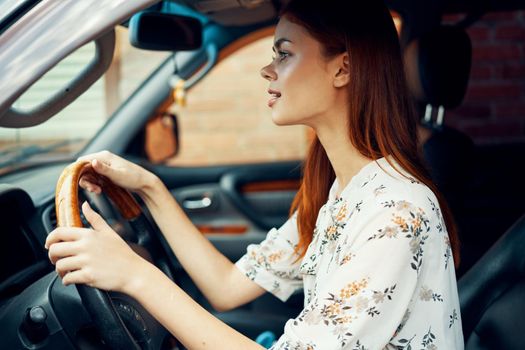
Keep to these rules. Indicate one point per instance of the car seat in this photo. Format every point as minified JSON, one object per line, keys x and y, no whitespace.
{"x":468,"y":175}
{"x":438,"y":69}
{"x":492,"y":295}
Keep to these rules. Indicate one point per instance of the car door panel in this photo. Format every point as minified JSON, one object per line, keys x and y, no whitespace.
{"x":217,"y":219}
{"x":235,"y":206}
{"x":261,"y":193}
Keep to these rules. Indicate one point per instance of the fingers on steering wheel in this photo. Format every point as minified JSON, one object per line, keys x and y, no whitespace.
{"x":90,"y":186}
{"x":102,"y":155}
{"x":101,"y":167}
{"x":96,"y":221}
{"x":90,"y":183}
{"x":77,"y":277}
{"x":62,"y":250}
{"x":69,"y":264}
{"x":63,"y":234}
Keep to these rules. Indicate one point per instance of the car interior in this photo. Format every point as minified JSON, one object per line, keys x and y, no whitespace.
{"x":234,"y":205}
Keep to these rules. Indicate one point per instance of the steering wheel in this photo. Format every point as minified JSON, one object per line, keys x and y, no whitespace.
{"x":98,"y":303}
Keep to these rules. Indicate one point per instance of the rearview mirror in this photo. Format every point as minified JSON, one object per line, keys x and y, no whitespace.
{"x":165,"y":32}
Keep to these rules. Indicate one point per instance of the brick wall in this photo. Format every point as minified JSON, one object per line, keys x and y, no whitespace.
{"x":494,"y":107}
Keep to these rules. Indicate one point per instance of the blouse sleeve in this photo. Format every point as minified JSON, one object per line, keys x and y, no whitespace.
{"x":273,"y":264}
{"x":363,"y":300}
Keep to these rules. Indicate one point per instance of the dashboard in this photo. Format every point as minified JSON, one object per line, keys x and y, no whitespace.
{"x":26,"y":216}
{"x":23,"y":258}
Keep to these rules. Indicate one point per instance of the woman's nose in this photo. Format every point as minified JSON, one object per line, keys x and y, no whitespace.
{"x":268,"y":73}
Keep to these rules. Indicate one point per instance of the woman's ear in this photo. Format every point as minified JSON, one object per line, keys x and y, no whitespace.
{"x":342,"y":75}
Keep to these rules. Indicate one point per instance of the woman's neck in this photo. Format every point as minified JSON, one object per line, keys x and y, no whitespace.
{"x":344,"y":157}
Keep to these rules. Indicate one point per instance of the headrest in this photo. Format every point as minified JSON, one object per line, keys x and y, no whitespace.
{"x":438,"y":66}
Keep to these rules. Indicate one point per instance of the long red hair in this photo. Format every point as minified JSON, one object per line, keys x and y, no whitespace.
{"x":382,"y":120}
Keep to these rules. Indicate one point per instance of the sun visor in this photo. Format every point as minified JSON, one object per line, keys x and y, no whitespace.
{"x":43,"y":37}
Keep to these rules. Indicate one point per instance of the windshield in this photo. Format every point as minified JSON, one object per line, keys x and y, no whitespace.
{"x":64,"y":135}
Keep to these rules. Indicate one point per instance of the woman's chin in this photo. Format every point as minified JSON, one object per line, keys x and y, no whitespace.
{"x":281,"y":119}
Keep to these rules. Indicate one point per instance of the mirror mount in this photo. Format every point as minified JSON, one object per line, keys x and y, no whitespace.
{"x":212,"y":56}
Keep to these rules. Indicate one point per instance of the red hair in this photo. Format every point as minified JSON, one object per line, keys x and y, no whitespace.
{"x":382,"y":121}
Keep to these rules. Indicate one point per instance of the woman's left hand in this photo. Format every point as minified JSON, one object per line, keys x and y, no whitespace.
{"x":97,"y":256}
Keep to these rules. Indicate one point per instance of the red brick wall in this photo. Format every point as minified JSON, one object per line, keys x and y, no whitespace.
{"x":494,"y":107}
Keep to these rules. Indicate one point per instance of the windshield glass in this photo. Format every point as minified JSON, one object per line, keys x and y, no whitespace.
{"x":64,"y":135}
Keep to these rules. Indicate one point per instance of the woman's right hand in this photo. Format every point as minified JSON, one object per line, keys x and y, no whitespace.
{"x":120,"y":171}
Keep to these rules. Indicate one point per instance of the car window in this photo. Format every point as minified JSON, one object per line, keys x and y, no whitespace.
{"x":55,"y":80}
{"x":67,"y":132}
{"x":226,"y":119}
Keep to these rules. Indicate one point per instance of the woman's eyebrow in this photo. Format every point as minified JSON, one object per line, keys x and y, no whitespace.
{"x":279,"y":42}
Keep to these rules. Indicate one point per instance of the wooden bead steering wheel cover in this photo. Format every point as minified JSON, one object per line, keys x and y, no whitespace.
{"x":66,"y":195}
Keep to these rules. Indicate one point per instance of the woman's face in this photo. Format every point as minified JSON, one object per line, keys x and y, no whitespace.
{"x":301,"y":80}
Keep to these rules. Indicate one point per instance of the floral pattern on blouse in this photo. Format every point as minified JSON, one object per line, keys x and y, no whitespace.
{"x":378,"y":273}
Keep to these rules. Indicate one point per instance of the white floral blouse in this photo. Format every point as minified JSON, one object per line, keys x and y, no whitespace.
{"x":378,"y":274}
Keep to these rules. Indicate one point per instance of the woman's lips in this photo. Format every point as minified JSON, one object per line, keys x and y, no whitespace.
{"x":272,"y":101}
{"x":275,"y":96}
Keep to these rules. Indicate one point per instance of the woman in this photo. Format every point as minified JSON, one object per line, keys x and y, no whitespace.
{"x":367,"y":238}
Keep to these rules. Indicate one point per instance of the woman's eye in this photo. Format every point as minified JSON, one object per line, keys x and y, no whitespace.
{"x":281,"y":55}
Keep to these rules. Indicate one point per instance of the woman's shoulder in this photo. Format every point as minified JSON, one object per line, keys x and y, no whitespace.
{"x":387,"y":197}
{"x":397,"y":209}
{"x":389,"y":183}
